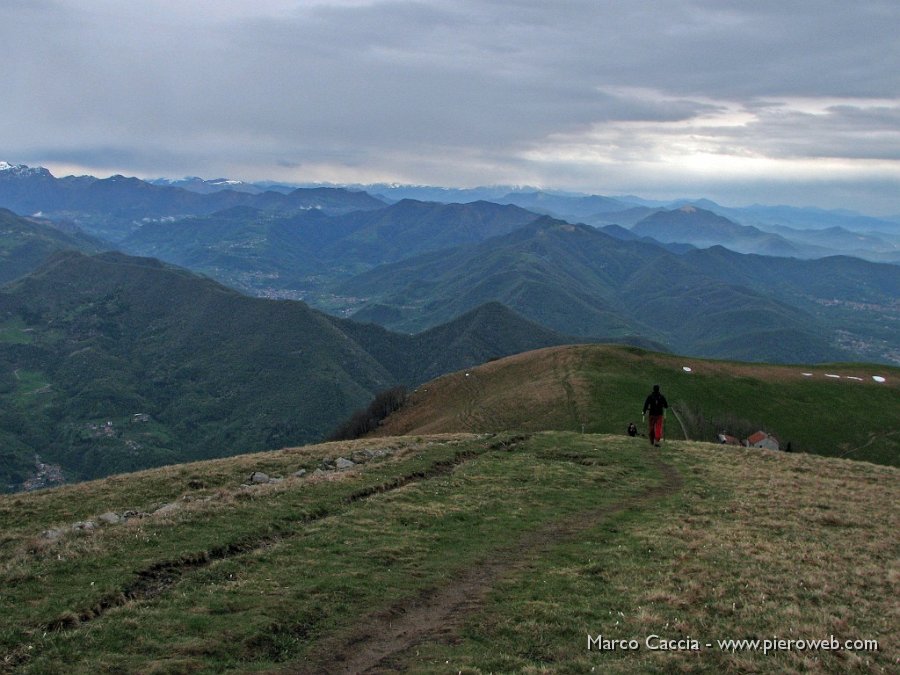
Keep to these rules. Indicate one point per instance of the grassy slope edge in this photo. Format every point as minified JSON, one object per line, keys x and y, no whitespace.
{"x":601,"y":388}
{"x":557,"y":535}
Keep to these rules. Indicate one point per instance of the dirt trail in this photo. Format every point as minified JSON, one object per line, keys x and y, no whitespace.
{"x":471,"y":416}
{"x":440,"y":611}
{"x":564,"y":372}
{"x":873,"y":436}
{"x":161,"y":576}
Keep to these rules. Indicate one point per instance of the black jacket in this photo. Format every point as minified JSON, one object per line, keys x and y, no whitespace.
{"x":655,"y":403}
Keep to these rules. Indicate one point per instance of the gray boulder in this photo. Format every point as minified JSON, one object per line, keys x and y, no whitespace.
{"x":109,"y":518}
{"x":361,"y":456}
{"x":166,"y":508}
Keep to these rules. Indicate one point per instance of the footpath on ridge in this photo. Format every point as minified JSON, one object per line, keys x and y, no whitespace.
{"x":439,"y":612}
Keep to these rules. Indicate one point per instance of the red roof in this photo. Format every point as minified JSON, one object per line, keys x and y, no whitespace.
{"x":757,"y":437}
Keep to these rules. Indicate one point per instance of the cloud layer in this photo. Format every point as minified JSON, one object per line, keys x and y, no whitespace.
{"x":766,"y":101}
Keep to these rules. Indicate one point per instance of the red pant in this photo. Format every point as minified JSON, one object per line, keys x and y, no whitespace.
{"x":655,"y":430}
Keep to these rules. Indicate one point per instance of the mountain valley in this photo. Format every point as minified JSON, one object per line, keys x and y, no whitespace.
{"x":114,"y":363}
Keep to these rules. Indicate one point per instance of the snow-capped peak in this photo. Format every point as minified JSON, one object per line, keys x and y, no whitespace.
{"x":20,"y":169}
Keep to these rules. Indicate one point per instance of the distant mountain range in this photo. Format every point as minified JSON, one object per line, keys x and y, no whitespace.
{"x":580,"y":281}
{"x":111,"y":363}
{"x":263,"y":253}
{"x":702,"y":229}
{"x":114,"y":207}
{"x":26,"y":190}
{"x":412,"y":265}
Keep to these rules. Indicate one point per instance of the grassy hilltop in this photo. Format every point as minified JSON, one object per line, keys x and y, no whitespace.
{"x":458,"y":553}
{"x":477,"y":550}
{"x":601,"y":388}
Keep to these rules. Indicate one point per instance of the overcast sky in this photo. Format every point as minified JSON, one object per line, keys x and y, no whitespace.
{"x":772,"y":101}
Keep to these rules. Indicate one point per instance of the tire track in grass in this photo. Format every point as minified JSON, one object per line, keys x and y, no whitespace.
{"x":159,"y":577}
{"x":377,"y":638}
{"x":471,"y":416}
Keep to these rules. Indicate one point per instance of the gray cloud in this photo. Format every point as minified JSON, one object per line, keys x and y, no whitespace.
{"x":598,"y":96}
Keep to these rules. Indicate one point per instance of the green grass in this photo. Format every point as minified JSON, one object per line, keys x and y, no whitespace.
{"x":751,"y":548}
{"x":815,"y":414}
{"x":310,"y":554}
{"x":33,"y":393}
{"x":14,"y":332}
{"x":571,"y":535}
{"x":602,"y":388}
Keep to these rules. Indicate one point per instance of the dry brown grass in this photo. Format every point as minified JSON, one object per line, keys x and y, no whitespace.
{"x":547,"y":384}
{"x":804,"y":547}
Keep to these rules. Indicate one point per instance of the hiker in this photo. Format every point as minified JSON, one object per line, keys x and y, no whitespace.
{"x":632,"y":429}
{"x":656,"y":405}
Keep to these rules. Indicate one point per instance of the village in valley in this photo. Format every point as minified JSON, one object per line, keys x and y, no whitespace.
{"x":46,"y":475}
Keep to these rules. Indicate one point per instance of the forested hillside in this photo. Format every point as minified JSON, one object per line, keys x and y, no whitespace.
{"x":112,"y":363}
